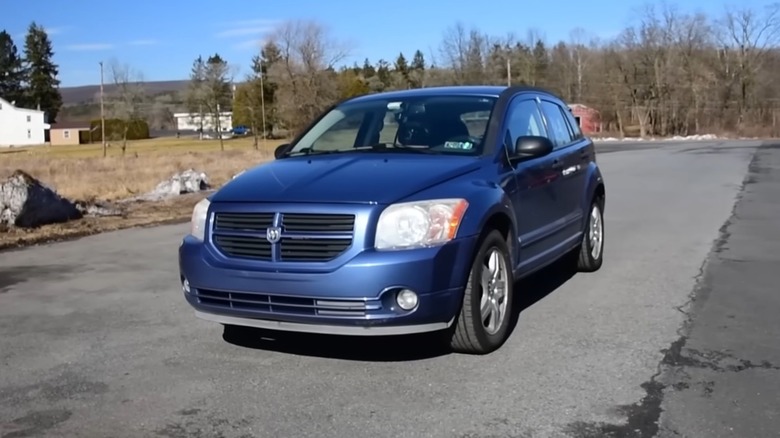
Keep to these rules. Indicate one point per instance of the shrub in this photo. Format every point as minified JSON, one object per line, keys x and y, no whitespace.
{"x":136,"y":129}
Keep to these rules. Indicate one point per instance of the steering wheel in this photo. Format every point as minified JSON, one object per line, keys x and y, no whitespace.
{"x":412,"y":132}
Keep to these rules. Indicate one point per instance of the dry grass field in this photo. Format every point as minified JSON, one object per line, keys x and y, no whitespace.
{"x":82,"y":173}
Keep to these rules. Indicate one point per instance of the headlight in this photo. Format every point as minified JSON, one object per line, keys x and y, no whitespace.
{"x":198,"y":222}
{"x":419,"y":224}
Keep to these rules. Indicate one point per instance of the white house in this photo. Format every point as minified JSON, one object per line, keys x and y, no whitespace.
{"x":21,"y":126}
{"x":192,"y":121}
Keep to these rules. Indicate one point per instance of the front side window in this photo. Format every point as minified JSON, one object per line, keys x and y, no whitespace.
{"x":523,"y":118}
{"x":448,"y":124}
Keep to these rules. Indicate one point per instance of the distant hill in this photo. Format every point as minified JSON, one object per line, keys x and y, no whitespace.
{"x":89,"y":93}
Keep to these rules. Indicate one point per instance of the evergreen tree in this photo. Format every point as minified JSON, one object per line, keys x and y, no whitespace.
{"x":541,"y":63}
{"x":402,"y":68}
{"x":11,"y":70}
{"x":418,"y":62}
{"x":270,"y":55}
{"x":43,"y":85}
{"x":383,"y":73}
{"x":417,"y":70}
{"x":368,"y":69}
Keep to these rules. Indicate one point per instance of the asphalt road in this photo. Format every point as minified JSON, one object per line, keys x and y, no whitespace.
{"x":96,"y":340}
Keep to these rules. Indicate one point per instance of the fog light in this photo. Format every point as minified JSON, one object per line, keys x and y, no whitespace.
{"x":406,"y":299}
{"x":186,"y":286}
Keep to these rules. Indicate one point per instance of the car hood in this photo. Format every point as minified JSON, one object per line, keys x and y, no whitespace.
{"x":343,"y":178}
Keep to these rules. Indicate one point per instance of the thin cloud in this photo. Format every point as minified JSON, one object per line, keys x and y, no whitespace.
{"x":50,"y":31}
{"x":89,"y":47}
{"x":252,"y":22}
{"x":244,"y":28}
{"x":254,"y":43}
{"x":146,"y":42}
{"x":55,"y":30}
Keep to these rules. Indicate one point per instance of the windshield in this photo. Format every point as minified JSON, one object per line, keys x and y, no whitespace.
{"x":449,"y":124}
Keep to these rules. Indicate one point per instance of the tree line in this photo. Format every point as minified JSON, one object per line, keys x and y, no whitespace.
{"x":669,"y":73}
{"x":29,"y":79}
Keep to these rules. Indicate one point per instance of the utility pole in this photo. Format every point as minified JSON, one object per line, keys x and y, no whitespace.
{"x":508,"y":72}
{"x":262,"y":104}
{"x":102,"y":113}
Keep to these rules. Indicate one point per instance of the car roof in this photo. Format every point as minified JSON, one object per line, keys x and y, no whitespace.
{"x":460,"y":90}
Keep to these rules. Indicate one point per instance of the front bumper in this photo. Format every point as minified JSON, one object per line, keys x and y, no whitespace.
{"x":356,"y":297}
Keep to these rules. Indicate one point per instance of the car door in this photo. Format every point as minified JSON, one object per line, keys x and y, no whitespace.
{"x":568,"y":163}
{"x":532,"y":198}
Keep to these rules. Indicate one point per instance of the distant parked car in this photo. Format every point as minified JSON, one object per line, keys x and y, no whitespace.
{"x":241,"y":130}
{"x":401,"y":212}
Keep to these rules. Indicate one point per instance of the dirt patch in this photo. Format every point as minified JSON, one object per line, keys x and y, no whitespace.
{"x":138,"y":214}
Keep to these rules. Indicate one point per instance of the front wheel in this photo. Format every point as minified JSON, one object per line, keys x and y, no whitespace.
{"x":483,"y":322}
{"x":591,"y":254}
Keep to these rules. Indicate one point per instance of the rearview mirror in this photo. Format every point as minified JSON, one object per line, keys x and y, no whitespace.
{"x":531,"y":146}
{"x":281,"y":150}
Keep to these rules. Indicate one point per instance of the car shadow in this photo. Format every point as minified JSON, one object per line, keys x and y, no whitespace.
{"x":405,"y":348}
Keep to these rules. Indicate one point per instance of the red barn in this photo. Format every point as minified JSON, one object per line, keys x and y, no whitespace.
{"x":588,"y":118}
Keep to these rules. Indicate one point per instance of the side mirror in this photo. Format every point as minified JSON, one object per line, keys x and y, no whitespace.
{"x":281,"y":150}
{"x":531,"y":146}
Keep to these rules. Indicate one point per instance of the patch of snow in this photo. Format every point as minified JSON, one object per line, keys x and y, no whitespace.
{"x":696,"y":137}
{"x":188,"y":181}
{"x":98,"y":209}
{"x":27,"y":203}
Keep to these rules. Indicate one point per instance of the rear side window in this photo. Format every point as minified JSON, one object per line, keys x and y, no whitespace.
{"x":556,"y":123}
{"x":574,"y":127}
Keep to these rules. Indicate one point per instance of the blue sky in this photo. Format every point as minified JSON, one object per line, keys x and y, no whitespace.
{"x":161,"y":38}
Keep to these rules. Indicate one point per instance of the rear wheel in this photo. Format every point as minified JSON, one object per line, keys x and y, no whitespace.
{"x":591,"y":253}
{"x":483,"y":322}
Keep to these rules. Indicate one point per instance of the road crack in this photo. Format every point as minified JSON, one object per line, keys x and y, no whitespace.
{"x":643,"y":417}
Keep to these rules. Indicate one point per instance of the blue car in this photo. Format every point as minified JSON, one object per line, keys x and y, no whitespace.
{"x":401,"y":212}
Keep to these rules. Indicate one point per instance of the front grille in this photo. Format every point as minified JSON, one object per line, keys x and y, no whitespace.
{"x":318,"y":223}
{"x":305,"y":237}
{"x":283,"y":304}
{"x":251,"y":247}
{"x":243,"y":221}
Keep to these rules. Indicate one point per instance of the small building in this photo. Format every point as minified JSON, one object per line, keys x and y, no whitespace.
{"x":588,"y":118}
{"x":21,"y":126}
{"x":193,"y":122}
{"x":69,"y":133}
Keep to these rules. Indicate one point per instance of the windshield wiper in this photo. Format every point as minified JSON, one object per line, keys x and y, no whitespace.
{"x":379,"y":147}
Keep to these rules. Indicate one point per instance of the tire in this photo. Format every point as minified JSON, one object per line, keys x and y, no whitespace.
{"x":470,"y":335}
{"x":589,"y":260}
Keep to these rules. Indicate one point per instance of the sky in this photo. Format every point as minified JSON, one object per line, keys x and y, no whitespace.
{"x":162,"y":38}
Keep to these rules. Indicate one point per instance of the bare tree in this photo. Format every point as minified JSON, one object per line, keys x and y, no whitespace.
{"x":195,"y":93}
{"x":305,"y":73}
{"x":127,"y":100}
{"x":210,"y":92}
{"x":745,"y":38}
{"x":466,"y":53}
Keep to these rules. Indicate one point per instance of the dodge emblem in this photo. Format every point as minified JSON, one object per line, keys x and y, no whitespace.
{"x":273,"y":234}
